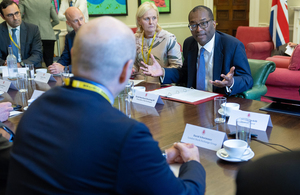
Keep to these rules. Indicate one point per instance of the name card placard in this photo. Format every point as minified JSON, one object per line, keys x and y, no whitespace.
{"x":147,"y":99}
{"x":42,"y":77}
{"x":4,"y":85}
{"x":258,"y":121}
{"x":203,"y":137}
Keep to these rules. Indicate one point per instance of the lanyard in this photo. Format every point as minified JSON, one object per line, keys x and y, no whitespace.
{"x":86,"y":86}
{"x":13,"y":42}
{"x":149,"y":51}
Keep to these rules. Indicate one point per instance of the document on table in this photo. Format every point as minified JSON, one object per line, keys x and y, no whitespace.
{"x":184,"y":94}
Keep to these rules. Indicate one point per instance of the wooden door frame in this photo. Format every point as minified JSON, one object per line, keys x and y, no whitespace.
{"x":253,"y":14}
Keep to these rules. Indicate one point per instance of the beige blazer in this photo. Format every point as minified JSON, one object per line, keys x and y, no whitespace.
{"x":42,"y":14}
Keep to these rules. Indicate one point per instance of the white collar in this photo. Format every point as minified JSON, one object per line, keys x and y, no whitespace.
{"x":209,"y":46}
{"x":9,"y":27}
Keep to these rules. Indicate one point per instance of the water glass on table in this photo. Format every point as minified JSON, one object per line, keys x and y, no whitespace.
{"x":30,"y":71}
{"x":22,"y":83}
{"x":243,"y":128}
{"x":65,"y":74}
{"x":124,"y":104}
{"x":219,"y":116}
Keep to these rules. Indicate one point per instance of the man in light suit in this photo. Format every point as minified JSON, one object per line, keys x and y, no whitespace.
{"x":75,"y":19}
{"x":102,"y":151}
{"x":225,"y":67}
{"x":29,"y":50}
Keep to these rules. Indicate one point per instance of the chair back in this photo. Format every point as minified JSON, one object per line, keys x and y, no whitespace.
{"x":248,"y":34}
{"x":260,"y":70}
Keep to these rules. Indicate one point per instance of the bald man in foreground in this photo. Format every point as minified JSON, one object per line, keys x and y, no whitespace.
{"x":79,"y":144}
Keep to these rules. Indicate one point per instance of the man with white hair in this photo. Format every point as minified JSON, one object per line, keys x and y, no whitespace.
{"x":79,"y":144}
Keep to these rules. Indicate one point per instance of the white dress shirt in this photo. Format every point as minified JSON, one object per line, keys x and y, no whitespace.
{"x":209,"y":62}
{"x":18,"y":39}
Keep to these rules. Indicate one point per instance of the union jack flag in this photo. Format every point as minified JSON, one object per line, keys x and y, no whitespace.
{"x":279,"y":22}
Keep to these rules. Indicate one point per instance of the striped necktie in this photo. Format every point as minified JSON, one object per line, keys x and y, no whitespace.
{"x":14,"y":37}
{"x":201,"y":71}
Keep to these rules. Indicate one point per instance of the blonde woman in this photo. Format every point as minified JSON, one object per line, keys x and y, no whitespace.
{"x":152,"y":39}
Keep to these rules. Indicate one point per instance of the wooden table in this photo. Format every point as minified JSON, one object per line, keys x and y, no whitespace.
{"x":167,"y":122}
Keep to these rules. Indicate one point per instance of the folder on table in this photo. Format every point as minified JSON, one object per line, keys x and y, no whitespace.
{"x":186,"y":95}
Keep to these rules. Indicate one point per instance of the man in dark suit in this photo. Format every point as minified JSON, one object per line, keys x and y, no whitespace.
{"x":75,"y":19}
{"x":275,"y":174}
{"x":224,"y":68}
{"x":28,"y":45}
{"x":79,"y":144}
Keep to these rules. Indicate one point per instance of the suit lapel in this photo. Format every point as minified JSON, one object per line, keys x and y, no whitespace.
{"x":23,"y":36}
{"x":192,"y":65}
{"x":4,"y":32}
{"x":218,"y":58}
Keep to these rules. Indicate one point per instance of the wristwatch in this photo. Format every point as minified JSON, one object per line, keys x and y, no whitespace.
{"x":22,"y":64}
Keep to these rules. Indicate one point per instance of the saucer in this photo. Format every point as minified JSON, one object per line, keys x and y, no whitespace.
{"x":220,"y":111}
{"x":244,"y":158}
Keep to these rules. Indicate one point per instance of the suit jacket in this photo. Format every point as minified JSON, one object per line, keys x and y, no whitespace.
{"x":42,"y":14}
{"x":102,"y":151}
{"x":65,"y":58}
{"x":5,"y":148}
{"x":275,"y":174}
{"x":228,"y":52}
{"x":31,"y":45}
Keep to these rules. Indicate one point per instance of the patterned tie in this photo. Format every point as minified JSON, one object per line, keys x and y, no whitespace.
{"x":15,"y":49}
{"x":71,"y":3}
{"x":201,"y":71}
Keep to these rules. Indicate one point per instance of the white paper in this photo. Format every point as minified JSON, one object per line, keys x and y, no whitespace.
{"x":203,"y":137}
{"x":36,"y":94}
{"x":4,"y":85}
{"x":147,"y":99}
{"x":289,"y":50}
{"x":14,"y":113}
{"x":183,"y":93}
{"x":258,"y":121}
{"x":42,"y":77}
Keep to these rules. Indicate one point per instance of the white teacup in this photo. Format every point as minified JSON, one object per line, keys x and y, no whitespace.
{"x":43,"y":70}
{"x":236,"y":148}
{"x":229,"y":107}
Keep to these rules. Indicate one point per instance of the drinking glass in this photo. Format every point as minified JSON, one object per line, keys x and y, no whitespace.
{"x":243,"y":127}
{"x":220,"y":117}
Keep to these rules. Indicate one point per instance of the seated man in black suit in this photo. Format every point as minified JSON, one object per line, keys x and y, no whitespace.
{"x":79,"y":144}
{"x":24,"y":37}
{"x":213,"y":61}
{"x":75,"y":19}
{"x":275,"y":174}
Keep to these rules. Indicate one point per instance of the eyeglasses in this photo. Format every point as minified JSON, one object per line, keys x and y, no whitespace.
{"x":202,"y":25}
{"x":12,"y":15}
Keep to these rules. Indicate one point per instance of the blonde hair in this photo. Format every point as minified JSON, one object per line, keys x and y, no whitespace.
{"x":146,"y":6}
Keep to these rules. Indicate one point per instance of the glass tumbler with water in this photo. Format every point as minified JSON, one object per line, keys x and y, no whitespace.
{"x":243,"y":127}
{"x":219,"y":116}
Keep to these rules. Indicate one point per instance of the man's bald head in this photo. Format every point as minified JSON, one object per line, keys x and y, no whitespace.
{"x":102,"y":49}
{"x":75,"y":18}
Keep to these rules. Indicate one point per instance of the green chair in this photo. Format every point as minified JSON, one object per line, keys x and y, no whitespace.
{"x":260,"y":70}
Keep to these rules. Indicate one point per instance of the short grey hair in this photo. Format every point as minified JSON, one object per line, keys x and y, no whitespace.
{"x":102,"y":47}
